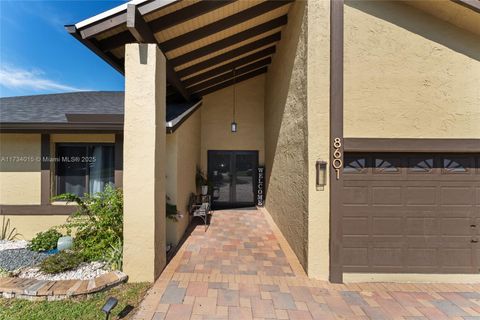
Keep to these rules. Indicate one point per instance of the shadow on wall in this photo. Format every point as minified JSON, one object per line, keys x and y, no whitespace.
{"x":421,"y":23}
{"x":280,"y":72}
{"x":286,"y":132}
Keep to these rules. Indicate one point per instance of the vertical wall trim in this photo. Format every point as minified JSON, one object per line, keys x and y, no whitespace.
{"x":336,"y":132}
{"x":45,"y":185}
{"x":119,"y":160}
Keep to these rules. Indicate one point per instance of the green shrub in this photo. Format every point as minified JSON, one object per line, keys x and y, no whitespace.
{"x":45,"y":240}
{"x":115,"y":257}
{"x":62,"y":261}
{"x":98,"y":223}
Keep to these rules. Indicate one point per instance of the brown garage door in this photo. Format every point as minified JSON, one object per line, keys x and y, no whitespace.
{"x":417,"y":213}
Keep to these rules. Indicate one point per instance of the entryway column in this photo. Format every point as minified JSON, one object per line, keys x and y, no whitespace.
{"x":144,"y":162}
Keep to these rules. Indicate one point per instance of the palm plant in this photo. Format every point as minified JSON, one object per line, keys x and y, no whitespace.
{"x":6,"y":233}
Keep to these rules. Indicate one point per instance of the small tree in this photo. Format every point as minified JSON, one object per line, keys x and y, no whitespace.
{"x":98,"y":223}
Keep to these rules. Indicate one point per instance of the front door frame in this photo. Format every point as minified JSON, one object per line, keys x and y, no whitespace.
{"x":233,"y":182}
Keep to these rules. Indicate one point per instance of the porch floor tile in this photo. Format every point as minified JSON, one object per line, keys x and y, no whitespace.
{"x":243,"y":268}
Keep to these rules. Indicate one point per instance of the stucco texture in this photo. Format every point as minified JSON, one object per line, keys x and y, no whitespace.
{"x":183,"y":157}
{"x":20,"y":175}
{"x":20,"y":181}
{"x":217,"y":114}
{"x":409,"y":74}
{"x":318,"y":85}
{"x":286,"y":134}
{"x":144,"y":162}
{"x":29,"y":225}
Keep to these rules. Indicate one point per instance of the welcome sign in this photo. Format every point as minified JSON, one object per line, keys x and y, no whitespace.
{"x":260,"y":186}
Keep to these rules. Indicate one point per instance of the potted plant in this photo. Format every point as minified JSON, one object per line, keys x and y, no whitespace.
{"x":201,"y":181}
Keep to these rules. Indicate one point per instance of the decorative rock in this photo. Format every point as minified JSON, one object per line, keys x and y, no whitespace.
{"x":14,"y":259}
{"x":85,"y":271}
{"x":15,"y":244}
{"x":64,"y":243}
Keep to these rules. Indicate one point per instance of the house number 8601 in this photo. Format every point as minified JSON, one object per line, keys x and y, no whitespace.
{"x":337,"y":162}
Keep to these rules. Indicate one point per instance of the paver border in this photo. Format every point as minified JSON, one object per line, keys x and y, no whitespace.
{"x":38,"y":290}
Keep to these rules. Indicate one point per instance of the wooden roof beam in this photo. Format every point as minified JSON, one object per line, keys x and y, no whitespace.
{"x":94,"y":47}
{"x":230,"y":41}
{"x":231,"y":82}
{"x":166,"y":21}
{"x":232,"y":54}
{"x":231,"y":74}
{"x":229,"y":66}
{"x":222,"y":24}
{"x":143,"y":34}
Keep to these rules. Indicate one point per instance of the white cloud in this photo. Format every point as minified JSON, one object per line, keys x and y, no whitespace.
{"x":16,"y":78}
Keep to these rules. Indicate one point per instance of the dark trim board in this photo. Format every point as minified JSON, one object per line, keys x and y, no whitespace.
{"x":336,"y":132}
{"x":42,"y":127}
{"x":118,"y":160}
{"x":411,"y":145}
{"x":45,"y":185}
{"x":48,"y":210}
{"x":470,"y":4}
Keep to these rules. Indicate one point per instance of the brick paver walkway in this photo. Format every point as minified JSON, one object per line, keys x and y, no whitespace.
{"x":242,"y":268}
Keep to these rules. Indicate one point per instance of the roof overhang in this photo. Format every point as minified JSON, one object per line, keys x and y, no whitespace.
{"x":42,"y":127}
{"x":203,"y":41}
{"x":88,"y":123}
{"x":460,"y":13}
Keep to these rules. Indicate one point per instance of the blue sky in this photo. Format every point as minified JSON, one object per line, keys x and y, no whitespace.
{"x":38,"y":56}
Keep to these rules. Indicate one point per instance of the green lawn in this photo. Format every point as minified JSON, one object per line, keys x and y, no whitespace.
{"x":129,"y":296}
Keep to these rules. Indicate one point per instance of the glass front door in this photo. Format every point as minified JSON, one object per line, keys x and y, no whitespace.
{"x":232,"y":176}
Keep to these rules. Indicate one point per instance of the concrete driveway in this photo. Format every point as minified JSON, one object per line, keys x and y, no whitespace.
{"x":243,"y":268}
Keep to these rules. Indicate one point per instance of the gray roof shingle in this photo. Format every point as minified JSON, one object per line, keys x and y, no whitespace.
{"x":52,"y":108}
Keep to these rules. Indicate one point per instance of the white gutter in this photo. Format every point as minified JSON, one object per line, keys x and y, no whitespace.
{"x":107,"y":13}
{"x":173,"y":123}
{"x":117,"y":10}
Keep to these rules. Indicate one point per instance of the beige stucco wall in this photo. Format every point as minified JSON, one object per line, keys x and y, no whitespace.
{"x":409,"y":74}
{"x":144,"y":162}
{"x":286,"y":134}
{"x":183,"y":157}
{"x":20,"y":178}
{"x":29,"y":225}
{"x":20,"y":182}
{"x":318,"y":136}
{"x":216,"y":117}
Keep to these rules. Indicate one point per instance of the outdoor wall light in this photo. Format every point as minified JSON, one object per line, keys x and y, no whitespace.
{"x":321,"y":168}
{"x":108,"y":306}
{"x":233,"y":125}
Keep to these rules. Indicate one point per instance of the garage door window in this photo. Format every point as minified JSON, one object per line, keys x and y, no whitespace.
{"x":420,"y":165}
{"x":383,"y":165}
{"x":355,"y":164}
{"x":455,"y":165}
